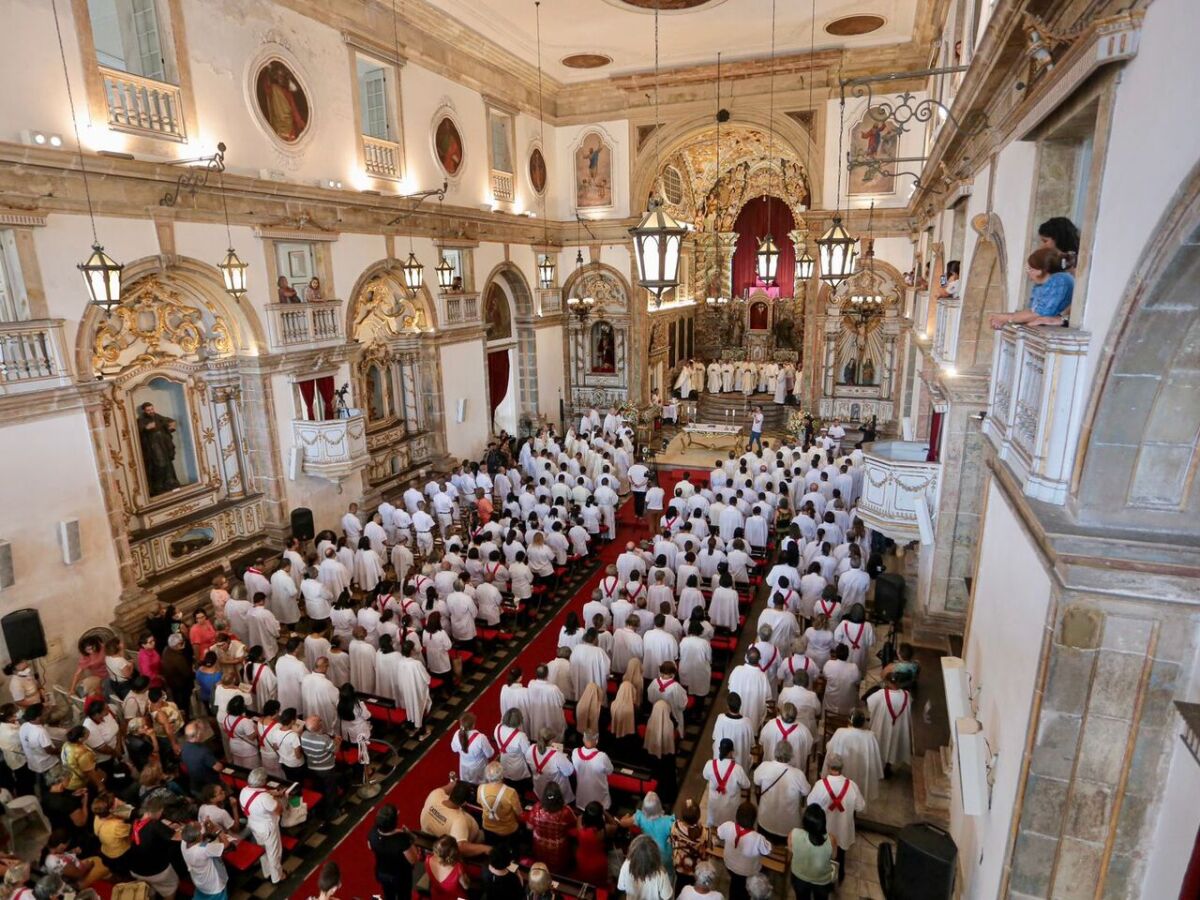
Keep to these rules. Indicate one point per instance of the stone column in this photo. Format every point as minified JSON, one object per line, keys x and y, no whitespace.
{"x":799,"y":239}
{"x":728,"y":243}
{"x":833,"y":328}
{"x":888,"y":374}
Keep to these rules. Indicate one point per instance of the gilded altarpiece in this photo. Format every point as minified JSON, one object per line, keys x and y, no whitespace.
{"x":598,"y":347}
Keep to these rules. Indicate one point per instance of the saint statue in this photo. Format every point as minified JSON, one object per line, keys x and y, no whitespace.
{"x":850,"y":373}
{"x":158,"y":449}
{"x":868,"y":372}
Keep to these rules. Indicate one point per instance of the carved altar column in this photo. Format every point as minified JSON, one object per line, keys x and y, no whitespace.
{"x":799,"y":239}
{"x":833,"y":328}
{"x":889,"y":376}
{"x":727,"y":241}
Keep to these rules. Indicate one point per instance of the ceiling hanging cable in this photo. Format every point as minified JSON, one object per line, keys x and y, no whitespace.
{"x":716,"y":193}
{"x":546,"y":266}
{"x":805,"y":264}
{"x":768,"y":250}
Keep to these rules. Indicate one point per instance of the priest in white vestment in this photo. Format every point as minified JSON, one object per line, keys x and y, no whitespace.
{"x":412,"y":680}
{"x":891,"y":722}
{"x":514,"y":695}
{"x":841,"y":799}
{"x":590,"y":665}
{"x":546,"y":702}
{"x":807,"y":703}
{"x":321,"y":696}
{"x":714,"y":377}
{"x":368,"y":569}
{"x":859,"y":749}
{"x":352,"y":525}
{"x":729,"y":377}
{"x":362,"y":662}
{"x":376,"y":534}
{"x":737,"y":728}
{"x":842,"y":678}
{"x":695,"y":661}
{"x":727,"y":780}
{"x":289,"y":672}
{"x":683,"y":383}
{"x":658,"y":646}
{"x":262,"y":628}
{"x":627,"y":644}
{"x":781,"y":789}
{"x":284,"y":593}
{"x":559,"y":672}
{"x":750,"y":683}
{"x":256,"y":581}
{"x":592,"y":768}
{"x":787,"y":728}
{"x":333,"y":574}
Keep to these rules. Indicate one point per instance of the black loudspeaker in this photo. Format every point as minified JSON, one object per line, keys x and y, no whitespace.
{"x":924,"y":866}
{"x":889,"y":598}
{"x":302,"y":524}
{"x":23,"y":634}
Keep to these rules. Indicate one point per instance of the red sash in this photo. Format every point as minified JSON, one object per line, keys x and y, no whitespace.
{"x":254,"y":570}
{"x":382,"y":601}
{"x":791,"y":664}
{"x":247,"y":804}
{"x":671,"y":521}
{"x":662,"y":688}
{"x":609,"y":592}
{"x":723,"y":781}
{"x":835,"y":800}
{"x":408,"y":603}
{"x":257,"y":675}
{"x":856,"y":642}
{"x":231,"y":729}
{"x":774,"y":656}
{"x":887,"y":699}
{"x":633,"y":596}
{"x":826,"y":607}
{"x":583,"y":754}
{"x":786,"y":733}
{"x":541,"y":764}
{"x":788,"y":597}
{"x":262,"y":738}
{"x":505,"y":743}
{"x":137,"y":830}
{"x":739,"y":832}
{"x":492,"y":570}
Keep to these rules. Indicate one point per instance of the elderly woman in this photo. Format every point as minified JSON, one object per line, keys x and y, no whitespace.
{"x":263,"y":808}
{"x":655,"y":824}
{"x":643,"y":874}
{"x":702,"y":886}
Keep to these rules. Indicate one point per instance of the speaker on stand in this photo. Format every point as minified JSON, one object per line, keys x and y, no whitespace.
{"x":23,"y":634}
{"x":923,"y":866}
{"x":302,"y":524}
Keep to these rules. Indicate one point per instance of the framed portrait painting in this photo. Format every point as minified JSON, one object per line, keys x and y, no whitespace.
{"x":593,"y":173}
{"x":537,"y":171}
{"x":448,"y":146}
{"x":282,"y":101}
{"x":872,"y":138}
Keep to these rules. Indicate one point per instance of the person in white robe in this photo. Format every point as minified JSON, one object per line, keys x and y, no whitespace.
{"x":237,"y":609}
{"x":320,"y":695}
{"x":683,"y":382}
{"x":841,"y":799}
{"x":590,"y":665}
{"x":592,"y":768}
{"x":362,"y":662}
{"x":858,"y":747}
{"x":781,"y":789}
{"x":658,"y":646}
{"x":786,"y":728}
{"x":368,"y":569}
{"x":262,"y":808}
{"x":853,"y":584}
{"x":891,"y":723}
{"x":627,"y":644}
{"x":727,"y":782}
{"x":733,"y":725}
{"x":714,"y":377}
{"x":549,"y":764}
{"x":695,"y":661}
{"x":333,"y":574}
{"x":263,"y":684}
{"x":666,"y":686}
{"x":474,"y":750}
{"x":339,"y":663}
{"x":784,"y":627}
{"x":352,"y":526}
{"x":290,"y":671}
{"x":723,"y":607}
{"x":412,"y":680}
{"x":317,"y":598}
{"x":262,"y":628}
{"x":546,"y":703}
{"x":842,"y":678}
{"x":757,"y":530}
{"x":462,"y":609}
{"x":781,"y":385}
{"x":377,"y":535}
{"x":283,"y":594}
{"x":316,"y":645}
{"x":515,"y":695}
{"x":729,"y":377}
{"x":807,"y":703}
{"x":751,"y":683}
{"x":512,"y":744}
{"x":858,"y":635}
{"x":559,"y":672}
{"x":255,"y":580}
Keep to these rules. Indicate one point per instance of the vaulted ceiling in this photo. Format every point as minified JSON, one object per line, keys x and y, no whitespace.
{"x":690,"y":31}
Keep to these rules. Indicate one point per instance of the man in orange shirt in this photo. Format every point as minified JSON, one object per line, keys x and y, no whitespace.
{"x":483,"y":506}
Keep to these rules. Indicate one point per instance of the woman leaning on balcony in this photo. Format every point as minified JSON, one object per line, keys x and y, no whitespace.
{"x":1050,"y":298}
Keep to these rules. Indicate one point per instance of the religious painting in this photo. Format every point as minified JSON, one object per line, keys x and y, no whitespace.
{"x":593,"y":173}
{"x":190,"y":541}
{"x":165,"y":441}
{"x":380,"y":401}
{"x":448,"y":146}
{"x":282,"y":102}
{"x":604,"y":349}
{"x":500,"y":129}
{"x":760,"y":316}
{"x":873,"y":139}
{"x":497,"y":316}
{"x":537,"y":171}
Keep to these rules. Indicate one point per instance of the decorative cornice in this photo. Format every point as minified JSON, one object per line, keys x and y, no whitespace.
{"x":22,"y":218}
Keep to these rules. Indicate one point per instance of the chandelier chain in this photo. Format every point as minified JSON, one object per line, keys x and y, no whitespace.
{"x":537,"y":15}
{"x":771,"y":119}
{"x":87,"y":191}
{"x":657,"y":118}
{"x":717,"y":181}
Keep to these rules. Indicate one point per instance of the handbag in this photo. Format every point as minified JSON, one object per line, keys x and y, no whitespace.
{"x":294,"y":813}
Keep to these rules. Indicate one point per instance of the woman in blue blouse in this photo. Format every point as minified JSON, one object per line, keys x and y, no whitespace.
{"x":1051,"y":295}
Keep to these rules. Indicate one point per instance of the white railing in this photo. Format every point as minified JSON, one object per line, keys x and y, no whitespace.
{"x":303,"y":326}
{"x":333,"y":449}
{"x":33,"y":356}
{"x":382,"y":158}
{"x":504,"y":186}
{"x":1036,"y":405}
{"x":900,"y":490}
{"x":945,"y":335}
{"x":143,"y":104}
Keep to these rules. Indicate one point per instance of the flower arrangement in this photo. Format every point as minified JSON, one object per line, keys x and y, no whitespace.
{"x":797,"y":420}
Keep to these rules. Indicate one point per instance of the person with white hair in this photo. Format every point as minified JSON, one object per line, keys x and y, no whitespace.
{"x":841,"y":799}
{"x":759,"y":887}
{"x":703,"y":884}
{"x":781,"y":789}
{"x":592,"y":768}
{"x":262,"y":807}
{"x":500,"y":804}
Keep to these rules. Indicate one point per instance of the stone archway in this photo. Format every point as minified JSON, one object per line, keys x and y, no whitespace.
{"x":984,"y":295}
{"x":510,"y":281}
{"x":1141,"y":447}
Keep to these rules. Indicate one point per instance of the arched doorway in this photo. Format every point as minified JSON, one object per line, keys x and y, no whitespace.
{"x":507,"y":281}
{"x":501,"y":359}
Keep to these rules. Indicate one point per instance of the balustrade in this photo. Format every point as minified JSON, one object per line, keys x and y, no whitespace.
{"x":143,"y":104}
{"x":900,"y":490}
{"x":33,"y":356}
{"x":304,"y":326}
{"x":382,"y":158}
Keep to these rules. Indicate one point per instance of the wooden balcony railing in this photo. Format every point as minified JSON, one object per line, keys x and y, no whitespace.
{"x":304,"y":326}
{"x":33,"y":356}
{"x":143,"y":105}
{"x":382,"y":158}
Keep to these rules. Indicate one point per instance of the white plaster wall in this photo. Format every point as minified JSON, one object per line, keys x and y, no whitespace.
{"x":910,"y":145}
{"x":1012,"y":595}
{"x":894,"y":250}
{"x":1178,"y":819}
{"x":463,"y":368}
{"x":1151,"y":150}
{"x":69,"y":599}
{"x":1012,"y":201}
{"x":551,"y":370}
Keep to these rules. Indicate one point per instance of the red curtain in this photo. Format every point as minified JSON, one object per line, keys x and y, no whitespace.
{"x":751,"y":226}
{"x":325,"y":388}
{"x":935,"y":436}
{"x":307,"y":392}
{"x":497,"y":379}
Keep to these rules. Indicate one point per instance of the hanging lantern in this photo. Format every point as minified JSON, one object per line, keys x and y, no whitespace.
{"x":234,"y":271}
{"x":768,"y":259}
{"x":414,"y":273}
{"x":546,"y":270}
{"x":445,"y":274}
{"x":805,"y":264}
{"x":656,"y":242}
{"x":836,"y":249}
{"x":103,"y":278}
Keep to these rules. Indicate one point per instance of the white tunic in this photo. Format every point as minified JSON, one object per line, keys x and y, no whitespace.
{"x":261,"y":811}
{"x":262,"y":630}
{"x":781,"y":800}
{"x":841,"y":799}
{"x":362,"y":666}
{"x":589,"y":665}
{"x":333,"y":575}
{"x":726,"y":780}
{"x":891,"y":723}
{"x":592,"y":768}
{"x":859,"y":750}
{"x":368,"y":570}
{"x":695,"y":665}
{"x":737,"y":730}
{"x":474,"y":757}
{"x":320,"y":699}
{"x":752,"y":685}
{"x":627,"y":645}
{"x":795,"y":734}
{"x":658,"y":646}
{"x":513,"y":746}
{"x":413,"y":683}
{"x":548,"y":766}
{"x":290,"y":673}
{"x":283,"y":598}
{"x":723,"y":609}
{"x":546,"y":709}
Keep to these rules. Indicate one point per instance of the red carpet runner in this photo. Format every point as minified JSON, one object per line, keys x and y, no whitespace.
{"x":352,"y":854}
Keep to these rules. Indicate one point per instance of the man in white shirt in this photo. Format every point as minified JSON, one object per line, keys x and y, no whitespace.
{"x":351,"y":526}
{"x":35,"y":741}
{"x":423,"y":525}
{"x":756,"y":429}
{"x":630,"y":561}
{"x":263,"y":628}
{"x":639,"y":482}
{"x":781,"y":789}
{"x":592,"y":768}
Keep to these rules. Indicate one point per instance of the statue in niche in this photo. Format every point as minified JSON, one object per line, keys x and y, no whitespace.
{"x":604,"y":348}
{"x":785,"y":335}
{"x":759,"y":316}
{"x":158,"y":449}
{"x":850,"y":373}
{"x":737,"y":328}
{"x":868,"y":372}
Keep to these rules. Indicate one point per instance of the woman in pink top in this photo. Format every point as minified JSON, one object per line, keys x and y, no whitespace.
{"x":201,"y":635}
{"x":149,"y":663}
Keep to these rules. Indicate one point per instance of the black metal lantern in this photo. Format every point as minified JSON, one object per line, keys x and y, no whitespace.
{"x":836,"y":249}
{"x":656,"y":244}
{"x":445,"y":274}
{"x":103,"y":278}
{"x":234,"y":272}
{"x":414,"y":273}
{"x":768,"y":259}
{"x":546,"y":271}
